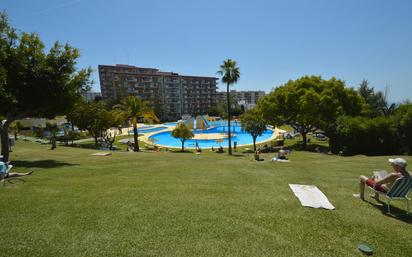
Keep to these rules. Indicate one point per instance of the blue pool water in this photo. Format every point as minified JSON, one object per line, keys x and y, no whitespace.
{"x":174,"y":124}
{"x":211,"y":123}
{"x":239,"y":136}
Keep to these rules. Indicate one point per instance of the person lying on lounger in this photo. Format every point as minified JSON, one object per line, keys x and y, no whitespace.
{"x":384,"y":184}
{"x":5,"y":167}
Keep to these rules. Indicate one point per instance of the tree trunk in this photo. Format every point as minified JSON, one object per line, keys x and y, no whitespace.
{"x":72,"y":133}
{"x":135,"y":136}
{"x":96,"y":143}
{"x":254,"y":144}
{"x":183,"y":145}
{"x":5,"y":144}
{"x":66,"y":137}
{"x":228,"y":119}
{"x":304,"y":140}
{"x":53,"y":144}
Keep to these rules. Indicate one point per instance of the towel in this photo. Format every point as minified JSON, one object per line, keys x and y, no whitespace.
{"x":311,"y":196}
{"x":102,"y":154}
{"x":274,"y":159}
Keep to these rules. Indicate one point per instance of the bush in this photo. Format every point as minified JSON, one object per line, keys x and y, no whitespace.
{"x":361,"y":135}
{"x":403,"y":122}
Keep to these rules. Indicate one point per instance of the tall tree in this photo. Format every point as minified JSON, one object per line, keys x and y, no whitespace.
{"x":377,"y":100}
{"x":159,"y":106}
{"x":133,"y":109}
{"x":252,"y":122}
{"x":52,"y":128}
{"x":230,"y":75}
{"x":93,"y":117}
{"x":35,"y":83}
{"x":235,"y":109}
{"x":182,"y":132}
{"x":310,"y":103}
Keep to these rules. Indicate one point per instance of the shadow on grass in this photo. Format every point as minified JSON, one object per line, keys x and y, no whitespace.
{"x":237,"y":155}
{"x":84,"y":146}
{"x":396,"y":213}
{"x":41,"y":164}
{"x":310,"y":147}
{"x":15,"y":181}
{"x":180,"y":151}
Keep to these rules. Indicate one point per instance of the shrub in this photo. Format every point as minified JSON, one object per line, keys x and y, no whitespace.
{"x":403,"y":122}
{"x":361,"y":135}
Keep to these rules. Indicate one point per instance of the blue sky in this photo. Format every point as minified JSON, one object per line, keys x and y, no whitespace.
{"x":272,"y":41}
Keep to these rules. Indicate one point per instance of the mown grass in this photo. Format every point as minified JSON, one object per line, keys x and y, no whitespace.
{"x":182,"y":204}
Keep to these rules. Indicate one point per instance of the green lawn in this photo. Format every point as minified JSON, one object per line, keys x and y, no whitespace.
{"x":182,"y":204}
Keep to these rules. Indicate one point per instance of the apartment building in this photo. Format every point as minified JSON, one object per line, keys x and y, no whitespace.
{"x":176,"y":94}
{"x":91,"y":96}
{"x":248,"y":99}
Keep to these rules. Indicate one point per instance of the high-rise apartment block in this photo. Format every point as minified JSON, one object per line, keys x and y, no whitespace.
{"x":91,"y":96}
{"x":175,"y":94}
{"x":248,"y":99}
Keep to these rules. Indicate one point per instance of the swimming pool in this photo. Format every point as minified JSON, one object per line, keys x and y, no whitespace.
{"x":174,"y":124}
{"x":239,"y":136}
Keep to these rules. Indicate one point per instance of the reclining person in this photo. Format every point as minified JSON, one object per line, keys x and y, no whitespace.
{"x":384,"y":185}
{"x":5,"y":168}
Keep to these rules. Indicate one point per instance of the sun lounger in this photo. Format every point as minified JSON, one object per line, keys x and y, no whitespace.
{"x":399,"y":191}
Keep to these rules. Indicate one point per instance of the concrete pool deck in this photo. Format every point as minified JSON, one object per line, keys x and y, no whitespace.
{"x":207,"y":136}
{"x":145,"y":138}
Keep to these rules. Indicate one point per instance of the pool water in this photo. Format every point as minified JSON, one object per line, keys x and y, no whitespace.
{"x":239,"y":136}
{"x":174,"y":124}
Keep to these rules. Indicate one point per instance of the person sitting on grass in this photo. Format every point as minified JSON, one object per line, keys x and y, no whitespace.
{"x":130,"y":147}
{"x":384,"y":185}
{"x":282,"y":154}
{"x":5,"y":167}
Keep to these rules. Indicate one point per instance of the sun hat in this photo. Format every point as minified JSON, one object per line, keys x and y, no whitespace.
{"x":399,"y":162}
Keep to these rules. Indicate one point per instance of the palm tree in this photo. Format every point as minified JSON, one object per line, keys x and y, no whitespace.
{"x":230,"y":75}
{"x":53,"y":129}
{"x":131,"y":109}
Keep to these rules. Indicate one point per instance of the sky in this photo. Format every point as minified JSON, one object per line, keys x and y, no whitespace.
{"x":272,"y":41}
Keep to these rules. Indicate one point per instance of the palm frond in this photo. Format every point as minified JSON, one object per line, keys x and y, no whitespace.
{"x":229,"y":71}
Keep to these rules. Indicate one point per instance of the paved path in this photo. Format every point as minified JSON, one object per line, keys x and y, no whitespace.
{"x":46,"y":141}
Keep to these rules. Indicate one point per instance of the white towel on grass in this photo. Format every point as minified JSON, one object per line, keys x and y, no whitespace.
{"x":274,"y":159}
{"x":311,"y":196}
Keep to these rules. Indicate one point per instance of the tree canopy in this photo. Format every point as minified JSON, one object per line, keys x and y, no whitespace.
{"x":93,"y":117}
{"x":182,"y":132}
{"x":377,"y":101}
{"x":310,"y":103}
{"x":230,"y":75}
{"x":221,"y":108}
{"x":252,"y":122}
{"x":33,"y":82}
{"x":132,"y":109}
